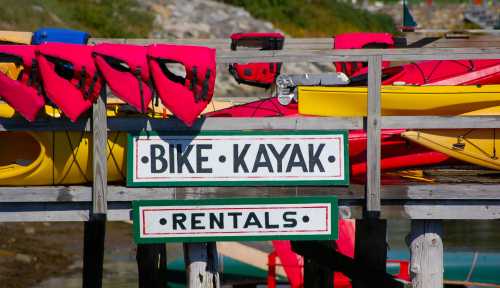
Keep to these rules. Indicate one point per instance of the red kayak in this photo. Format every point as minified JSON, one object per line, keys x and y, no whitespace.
{"x":397,"y":153}
{"x":445,"y":72}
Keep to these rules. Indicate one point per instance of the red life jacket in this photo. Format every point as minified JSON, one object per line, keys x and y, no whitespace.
{"x":358,"y":41}
{"x":21,"y":94}
{"x":125,"y":68}
{"x":185,"y":97}
{"x":256,"y":74}
{"x":70,"y":78}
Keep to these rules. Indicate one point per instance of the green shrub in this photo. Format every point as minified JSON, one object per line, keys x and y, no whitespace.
{"x":316,"y":17}
{"x":102,"y":18}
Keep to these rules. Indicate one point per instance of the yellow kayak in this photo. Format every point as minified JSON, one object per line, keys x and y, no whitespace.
{"x":62,"y":157}
{"x":55,"y":158}
{"x":476,"y":146}
{"x":13,"y":37}
{"x":401,"y":100}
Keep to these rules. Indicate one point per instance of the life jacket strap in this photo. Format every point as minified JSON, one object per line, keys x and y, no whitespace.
{"x":83,"y":75}
{"x":156,"y":101}
{"x":33,"y":77}
{"x":194,"y":81}
{"x":204,"y":89}
{"x":137,"y":74}
{"x":96,"y":77}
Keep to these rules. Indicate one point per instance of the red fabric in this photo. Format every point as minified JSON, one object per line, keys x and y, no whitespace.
{"x":261,"y":108}
{"x":291,"y":262}
{"x":185,"y":100}
{"x":262,"y":73}
{"x":123,"y":82}
{"x":396,"y":152}
{"x":442,"y":72}
{"x":239,"y":36}
{"x":427,"y":72}
{"x":255,"y":74}
{"x":20,"y":94}
{"x":66,"y":93}
{"x":359,"y":40}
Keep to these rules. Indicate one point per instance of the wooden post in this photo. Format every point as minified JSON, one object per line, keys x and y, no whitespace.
{"x":370,"y":253}
{"x":325,"y":255}
{"x":373,"y":137}
{"x":202,"y":265}
{"x":370,"y":248}
{"x":93,"y":252}
{"x":426,"y":253}
{"x":316,"y":276}
{"x":95,"y":228}
{"x":152,"y":265}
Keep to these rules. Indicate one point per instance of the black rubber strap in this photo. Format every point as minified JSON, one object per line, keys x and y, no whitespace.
{"x":83,"y":76}
{"x":96,"y":77}
{"x":137,"y":74}
{"x":194,"y":81}
{"x":204,"y":89}
{"x":33,"y":77}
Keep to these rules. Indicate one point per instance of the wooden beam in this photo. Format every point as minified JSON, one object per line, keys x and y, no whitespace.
{"x":202,"y":265}
{"x":440,"y":122}
{"x":152,"y":265}
{"x":426,"y":253}
{"x":99,"y":160}
{"x":93,"y":252}
{"x":392,"y":209}
{"x":320,"y":56}
{"x":373,"y":153}
{"x":95,"y":228}
{"x":265,"y":123}
{"x":432,"y":192}
{"x":370,"y":253}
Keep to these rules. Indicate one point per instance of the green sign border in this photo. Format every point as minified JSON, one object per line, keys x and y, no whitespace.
{"x":237,"y":201}
{"x":130,"y":145}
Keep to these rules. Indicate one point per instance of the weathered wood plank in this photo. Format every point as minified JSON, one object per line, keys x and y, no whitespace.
{"x":267,"y":123}
{"x":355,"y":192}
{"x":392,"y":209}
{"x":202,"y":265}
{"x":406,"y":54}
{"x":99,"y":161}
{"x":437,"y":122}
{"x":373,"y":153}
{"x":141,"y":123}
{"x":426,"y":254}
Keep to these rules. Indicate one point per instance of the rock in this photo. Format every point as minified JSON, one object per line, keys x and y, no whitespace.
{"x":29,"y":230}
{"x":180,"y":19}
{"x":24,"y":258}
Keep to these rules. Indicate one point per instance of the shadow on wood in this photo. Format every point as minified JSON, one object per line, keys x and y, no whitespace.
{"x":324,"y":254}
{"x":152,"y":265}
{"x":93,"y":251}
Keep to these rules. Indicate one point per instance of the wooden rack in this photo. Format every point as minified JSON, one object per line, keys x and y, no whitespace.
{"x":426,"y":204}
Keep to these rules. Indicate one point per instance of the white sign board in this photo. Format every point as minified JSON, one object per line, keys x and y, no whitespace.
{"x":235,"y":219}
{"x":238,"y":158}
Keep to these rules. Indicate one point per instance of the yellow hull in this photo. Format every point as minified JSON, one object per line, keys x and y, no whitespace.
{"x":13,"y":37}
{"x":60,"y":158}
{"x":401,"y":100}
{"x":56,"y":158}
{"x":476,"y":146}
